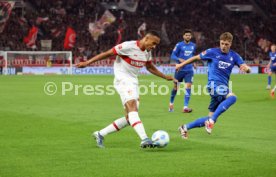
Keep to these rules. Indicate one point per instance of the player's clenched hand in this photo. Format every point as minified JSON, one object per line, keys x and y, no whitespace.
{"x":168,"y":78}
{"x":177,"y":67}
{"x":81,"y":64}
{"x":245,"y":68}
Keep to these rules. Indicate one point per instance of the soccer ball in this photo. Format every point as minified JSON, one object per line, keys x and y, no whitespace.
{"x":160,"y":138}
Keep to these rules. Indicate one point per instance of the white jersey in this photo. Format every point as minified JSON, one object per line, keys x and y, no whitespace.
{"x":130,"y":58}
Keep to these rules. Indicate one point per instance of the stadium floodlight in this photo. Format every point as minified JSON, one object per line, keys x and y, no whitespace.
{"x":37,"y":62}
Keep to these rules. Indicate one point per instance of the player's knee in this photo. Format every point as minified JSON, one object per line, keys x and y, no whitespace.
{"x":138,"y":103}
{"x":127,"y":119}
{"x":269,"y":73}
{"x":188,"y":85}
{"x":232,"y":96}
{"x":175,"y":87}
{"x":131,"y":106}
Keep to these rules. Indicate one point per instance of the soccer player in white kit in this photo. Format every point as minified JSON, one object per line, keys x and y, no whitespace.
{"x":130,"y":57}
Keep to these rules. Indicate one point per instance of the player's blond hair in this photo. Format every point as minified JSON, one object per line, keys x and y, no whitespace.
{"x":226,"y":37}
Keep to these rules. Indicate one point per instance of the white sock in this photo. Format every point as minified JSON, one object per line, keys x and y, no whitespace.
{"x":115,"y":126}
{"x":136,"y":123}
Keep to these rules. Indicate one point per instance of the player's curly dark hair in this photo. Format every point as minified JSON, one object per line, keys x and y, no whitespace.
{"x":187,"y":31}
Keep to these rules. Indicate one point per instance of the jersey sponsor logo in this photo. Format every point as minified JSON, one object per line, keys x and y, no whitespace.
{"x":187,"y":53}
{"x":120,"y":46}
{"x":135,"y":63}
{"x":223,"y":65}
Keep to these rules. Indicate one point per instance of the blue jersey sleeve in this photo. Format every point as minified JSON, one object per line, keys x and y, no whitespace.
{"x":238,"y":59}
{"x":175,"y":53}
{"x":194,"y":50}
{"x":207,"y":54}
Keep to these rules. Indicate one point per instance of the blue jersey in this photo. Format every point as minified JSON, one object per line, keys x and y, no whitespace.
{"x":220,"y":64}
{"x":272,"y":57}
{"x":184,"y":51}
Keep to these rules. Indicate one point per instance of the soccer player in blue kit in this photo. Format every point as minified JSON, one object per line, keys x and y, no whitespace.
{"x":220,"y":64}
{"x":271,"y":65}
{"x":182,"y":51}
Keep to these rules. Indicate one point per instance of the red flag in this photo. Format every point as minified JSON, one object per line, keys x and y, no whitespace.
{"x":30,"y":39}
{"x":98,"y":28}
{"x":119,"y":38}
{"x":121,"y":28}
{"x":5,"y":11}
{"x":70,"y":38}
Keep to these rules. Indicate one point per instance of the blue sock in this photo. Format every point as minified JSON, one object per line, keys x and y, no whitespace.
{"x":173,"y":93}
{"x":269,"y":80}
{"x":197,"y":123}
{"x":223,"y":106}
{"x":187,"y":97}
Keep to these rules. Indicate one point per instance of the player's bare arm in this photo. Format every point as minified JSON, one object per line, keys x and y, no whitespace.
{"x":190,"y":60}
{"x":152,"y":69}
{"x":99,"y":57}
{"x":245,"y":68}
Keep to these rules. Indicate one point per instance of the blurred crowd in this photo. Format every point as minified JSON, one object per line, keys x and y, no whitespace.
{"x":206,"y":18}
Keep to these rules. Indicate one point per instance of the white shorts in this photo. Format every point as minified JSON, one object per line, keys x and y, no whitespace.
{"x":127,"y":89}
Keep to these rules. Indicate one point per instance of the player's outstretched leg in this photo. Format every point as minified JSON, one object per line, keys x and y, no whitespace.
{"x":99,"y":139}
{"x":223,"y":106}
{"x":147,"y":143}
{"x":173,"y":93}
{"x":269,"y":81}
{"x":197,"y":123}
{"x":187,"y":97}
{"x":138,"y":126}
{"x":272,"y":93}
{"x":114,"y":127}
{"x":183,"y":131}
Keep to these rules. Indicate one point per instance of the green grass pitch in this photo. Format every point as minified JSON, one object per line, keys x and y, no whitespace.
{"x":50,"y":136}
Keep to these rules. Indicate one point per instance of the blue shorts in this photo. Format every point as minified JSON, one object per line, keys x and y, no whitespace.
{"x":218,"y":94}
{"x":187,"y":76}
{"x":273,"y":69}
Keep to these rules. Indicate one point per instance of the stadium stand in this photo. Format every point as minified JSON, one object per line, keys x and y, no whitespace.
{"x":206,"y":18}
